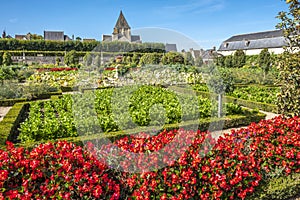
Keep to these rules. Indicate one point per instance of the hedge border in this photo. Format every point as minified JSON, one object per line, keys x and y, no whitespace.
{"x":11,"y":122}
{"x":233,"y":121}
{"x":246,"y":103}
{"x":11,"y":102}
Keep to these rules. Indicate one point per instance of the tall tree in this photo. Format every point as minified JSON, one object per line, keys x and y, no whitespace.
{"x":289,"y":62}
{"x":239,"y":58}
{"x":7,"y":59}
{"x":265,"y":61}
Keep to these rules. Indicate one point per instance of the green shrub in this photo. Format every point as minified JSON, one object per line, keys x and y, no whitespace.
{"x":282,"y":187}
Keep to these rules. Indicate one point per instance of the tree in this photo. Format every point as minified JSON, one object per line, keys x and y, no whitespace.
{"x":6,"y":59}
{"x":199,"y":61}
{"x":88,"y":59}
{"x":239,"y":58}
{"x":188,"y":59}
{"x":150,"y":58}
{"x":71,"y":58}
{"x":228,"y":61}
{"x":265,"y":61}
{"x":6,"y":73}
{"x":219,"y":60}
{"x":78,"y":38}
{"x":172,"y":58}
{"x":289,"y":62}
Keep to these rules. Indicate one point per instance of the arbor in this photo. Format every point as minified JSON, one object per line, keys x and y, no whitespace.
{"x":239,"y":58}
{"x":289,"y":62}
{"x":71,"y":58}
{"x":265,"y":61}
{"x":6,"y":59}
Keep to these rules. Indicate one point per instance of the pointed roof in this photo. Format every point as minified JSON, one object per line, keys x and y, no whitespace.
{"x":122,"y":23}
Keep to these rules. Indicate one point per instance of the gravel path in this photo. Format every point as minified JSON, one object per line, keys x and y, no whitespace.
{"x":217,"y":134}
{"x":3,"y":112}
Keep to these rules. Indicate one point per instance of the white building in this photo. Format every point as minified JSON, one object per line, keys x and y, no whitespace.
{"x":253,"y":43}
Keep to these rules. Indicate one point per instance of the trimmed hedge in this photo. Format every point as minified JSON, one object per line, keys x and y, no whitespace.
{"x":249,"y":104}
{"x":203,"y":124}
{"x":11,"y":102}
{"x":283,"y":187}
{"x":10,"y":123}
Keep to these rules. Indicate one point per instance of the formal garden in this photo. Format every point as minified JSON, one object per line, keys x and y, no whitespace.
{"x":141,"y":126}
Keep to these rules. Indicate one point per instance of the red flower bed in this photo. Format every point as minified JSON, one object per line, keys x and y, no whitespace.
{"x":230,"y":168}
{"x":60,"y":170}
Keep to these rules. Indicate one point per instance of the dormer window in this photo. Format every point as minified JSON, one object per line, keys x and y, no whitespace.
{"x":226,"y":45}
{"x":247,"y":43}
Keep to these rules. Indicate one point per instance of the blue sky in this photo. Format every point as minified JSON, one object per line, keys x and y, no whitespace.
{"x":206,"y":22}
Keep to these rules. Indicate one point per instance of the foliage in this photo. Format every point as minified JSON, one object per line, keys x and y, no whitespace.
{"x":189,"y":60}
{"x":116,"y":110}
{"x":47,"y":45}
{"x":238,"y":59}
{"x":199,"y":62}
{"x":71,"y":58}
{"x":220,"y":60}
{"x":1,"y":58}
{"x":172,"y":58}
{"x":257,"y":93}
{"x":264,"y":60}
{"x":228,"y":62}
{"x":6,"y":59}
{"x":288,"y":100}
{"x":150,"y":58}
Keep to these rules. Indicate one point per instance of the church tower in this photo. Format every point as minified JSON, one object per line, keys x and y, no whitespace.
{"x":122,"y":30}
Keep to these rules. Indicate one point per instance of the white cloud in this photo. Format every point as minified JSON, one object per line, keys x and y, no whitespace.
{"x":13,"y":20}
{"x":194,"y":7}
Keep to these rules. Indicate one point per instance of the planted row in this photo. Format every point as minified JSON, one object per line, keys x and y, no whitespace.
{"x":115,"y":109}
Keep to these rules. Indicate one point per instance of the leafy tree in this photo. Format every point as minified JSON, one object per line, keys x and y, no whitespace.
{"x":265,"y":61}
{"x":88,"y":59}
{"x":199,"y":61}
{"x":239,"y":58}
{"x":6,"y":59}
{"x":172,"y":58}
{"x":228,"y":61}
{"x":289,"y":62}
{"x":71,"y":58}
{"x":97,"y":61}
{"x":150,"y":58}
{"x":220,"y":60}
{"x":78,"y":38}
{"x":6,"y":73}
{"x":36,"y":37}
{"x":57,"y":61}
{"x":188,"y":59}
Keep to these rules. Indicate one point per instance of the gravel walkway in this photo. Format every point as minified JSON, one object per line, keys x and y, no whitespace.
{"x":3,"y":112}
{"x":217,"y":134}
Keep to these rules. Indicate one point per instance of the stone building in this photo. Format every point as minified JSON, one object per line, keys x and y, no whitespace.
{"x":122,"y":32}
{"x":253,"y":43}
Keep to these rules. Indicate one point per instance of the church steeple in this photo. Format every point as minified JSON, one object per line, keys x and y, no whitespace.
{"x":122,"y":23}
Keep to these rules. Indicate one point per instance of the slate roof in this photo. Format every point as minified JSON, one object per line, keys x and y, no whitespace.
{"x":171,"y":47}
{"x":135,"y":38}
{"x":54,"y":35}
{"x":122,"y":23}
{"x":259,"y":40}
